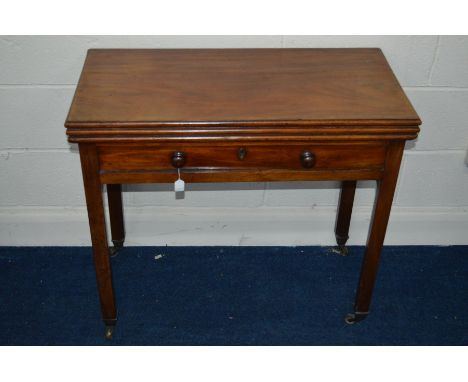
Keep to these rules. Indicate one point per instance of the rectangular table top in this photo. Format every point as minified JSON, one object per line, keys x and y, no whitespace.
{"x":245,"y":87}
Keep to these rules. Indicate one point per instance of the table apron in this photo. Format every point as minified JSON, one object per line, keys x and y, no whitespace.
{"x":236,"y":175}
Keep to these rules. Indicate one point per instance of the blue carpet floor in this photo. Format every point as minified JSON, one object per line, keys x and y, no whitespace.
{"x":234,"y":296}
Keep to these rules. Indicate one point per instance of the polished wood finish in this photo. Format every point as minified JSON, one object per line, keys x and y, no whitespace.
{"x":97,"y":224}
{"x":114,"y":196}
{"x":238,"y":175}
{"x":381,"y":213}
{"x":178,"y":159}
{"x":153,"y":87}
{"x":345,"y":209}
{"x":218,"y":157}
{"x":140,"y":116}
{"x":244,"y":94}
{"x":148,"y":163}
{"x":257,"y":133}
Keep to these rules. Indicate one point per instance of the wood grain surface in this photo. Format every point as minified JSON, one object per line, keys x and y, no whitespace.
{"x":266,"y":87}
{"x":141,"y":116}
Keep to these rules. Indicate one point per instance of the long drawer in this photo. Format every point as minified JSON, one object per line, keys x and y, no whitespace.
{"x":115,"y":157}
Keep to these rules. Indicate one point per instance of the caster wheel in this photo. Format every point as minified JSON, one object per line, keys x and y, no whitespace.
{"x":109,"y":332}
{"x":342,"y":250}
{"x":352,"y":318}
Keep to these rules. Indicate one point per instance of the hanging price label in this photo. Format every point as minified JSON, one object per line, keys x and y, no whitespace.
{"x":179,"y":184}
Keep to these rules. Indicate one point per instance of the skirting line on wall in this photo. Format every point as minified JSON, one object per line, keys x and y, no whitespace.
{"x":31,"y":226}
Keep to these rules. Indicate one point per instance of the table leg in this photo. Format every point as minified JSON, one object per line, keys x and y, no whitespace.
{"x":94,"y":202}
{"x":382,"y":206}
{"x":114,"y":197}
{"x":343,"y":217}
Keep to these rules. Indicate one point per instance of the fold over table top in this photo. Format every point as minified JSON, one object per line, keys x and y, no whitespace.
{"x":133,"y":92}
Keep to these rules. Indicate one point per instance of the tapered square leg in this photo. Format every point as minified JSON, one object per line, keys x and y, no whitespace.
{"x":380,"y":216}
{"x":343,"y":216}
{"x":114,"y":197}
{"x":94,"y":202}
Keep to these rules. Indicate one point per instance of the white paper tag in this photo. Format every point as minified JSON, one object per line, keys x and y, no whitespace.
{"x":179,"y":185}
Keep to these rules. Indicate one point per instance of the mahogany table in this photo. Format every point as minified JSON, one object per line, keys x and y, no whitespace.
{"x":234,"y":115}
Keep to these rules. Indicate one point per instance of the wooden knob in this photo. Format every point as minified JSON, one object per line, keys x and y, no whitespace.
{"x":307,"y":159}
{"x":178,"y":159}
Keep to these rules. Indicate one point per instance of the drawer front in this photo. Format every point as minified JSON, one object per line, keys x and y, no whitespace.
{"x":306,"y":157}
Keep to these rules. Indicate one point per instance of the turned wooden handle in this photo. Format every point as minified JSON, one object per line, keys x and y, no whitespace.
{"x":307,"y":159}
{"x":178,"y":159}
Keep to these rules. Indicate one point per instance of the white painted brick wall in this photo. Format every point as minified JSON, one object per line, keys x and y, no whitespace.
{"x":41,"y":196}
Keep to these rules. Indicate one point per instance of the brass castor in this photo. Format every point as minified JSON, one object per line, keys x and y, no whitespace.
{"x":342,"y":250}
{"x":118,"y":245}
{"x":109,"y":332}
{"x":352,"y":318}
